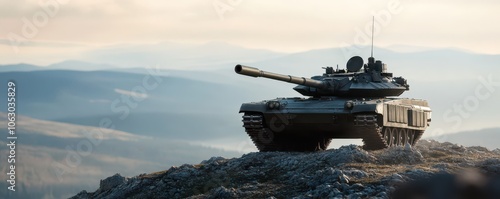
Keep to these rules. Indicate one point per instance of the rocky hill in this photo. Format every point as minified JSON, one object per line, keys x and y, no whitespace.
{"x":428,"y":170}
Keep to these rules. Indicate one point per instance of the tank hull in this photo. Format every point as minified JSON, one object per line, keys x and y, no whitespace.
{"x":284,"y":123}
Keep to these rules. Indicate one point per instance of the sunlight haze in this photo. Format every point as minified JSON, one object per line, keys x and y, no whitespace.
{"x":67,"y":29}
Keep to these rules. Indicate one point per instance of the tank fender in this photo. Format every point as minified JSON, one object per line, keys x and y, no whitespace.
{"x":253,"y":107}
{"x":360,"y":108}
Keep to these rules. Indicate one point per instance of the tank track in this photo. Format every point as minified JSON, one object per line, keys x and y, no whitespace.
{"x":374,"y":137}
{"x":266,"y":140}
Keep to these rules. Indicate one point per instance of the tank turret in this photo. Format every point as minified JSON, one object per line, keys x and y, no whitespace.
{"x":371,"y":81}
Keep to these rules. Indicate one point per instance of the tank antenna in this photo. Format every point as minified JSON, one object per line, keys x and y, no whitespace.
{"x":373,"y":26}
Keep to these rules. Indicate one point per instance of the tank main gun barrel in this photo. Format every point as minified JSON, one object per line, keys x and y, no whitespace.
{"x":255,"y":72}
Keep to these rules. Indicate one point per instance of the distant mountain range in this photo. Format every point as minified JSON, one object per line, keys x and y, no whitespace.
{"x":485,"y":137}
{"x":53,"y":161}
{"x":207,"y":83}
{"x":20,"y":67}
{"x":212,"y":55}
{"x":65,"y":65}
{"x":167,"y":55}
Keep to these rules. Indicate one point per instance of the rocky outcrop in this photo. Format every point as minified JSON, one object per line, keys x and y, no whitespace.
{"x":347,"y":172}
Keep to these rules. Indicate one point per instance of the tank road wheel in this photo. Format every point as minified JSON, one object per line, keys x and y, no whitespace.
{"x":409,"y":136}
{"x":388,"y":136}
{"x":395,"y":137}
{"x":399,"y":136}
{"x":403,"y":137}
{"x":414,"y":137}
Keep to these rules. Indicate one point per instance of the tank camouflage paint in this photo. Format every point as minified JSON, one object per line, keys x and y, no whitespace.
{"x":356,"y":102}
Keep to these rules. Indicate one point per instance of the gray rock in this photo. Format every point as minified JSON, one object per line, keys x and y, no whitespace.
{"x":400,"y":155}
{"x":355,"y":173}
{"x":491,"y":166}
{"x":382,"y":194}
{"x":223,"y":192}
{"x":347,"y":172}
{"x":417,"y":174}
{"x":82,"y":195}
{"x":350,"y":154}
{"x":356,"y":195}
{"x":497,"y":151}
{"x":441,"y":166}
{"x":477,"y":149}
{"x":394,"y":179}
{"x":213,"y":160}
{"x":111,"y":182}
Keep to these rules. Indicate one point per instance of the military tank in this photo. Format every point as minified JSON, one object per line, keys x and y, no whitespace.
{"x":357,"y":102}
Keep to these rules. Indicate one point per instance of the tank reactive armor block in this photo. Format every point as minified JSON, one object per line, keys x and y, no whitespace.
{"x":357,"y":102}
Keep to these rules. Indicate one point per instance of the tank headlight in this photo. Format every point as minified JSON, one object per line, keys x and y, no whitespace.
{"x":349,"y":104}
{"x":270,"y":105}
{"x":273,"y":105}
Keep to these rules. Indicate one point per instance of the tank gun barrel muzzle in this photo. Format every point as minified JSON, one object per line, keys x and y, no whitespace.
{"x":255,"y":72}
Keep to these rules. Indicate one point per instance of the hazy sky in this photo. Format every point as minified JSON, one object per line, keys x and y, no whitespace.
{"x":45,"y":31}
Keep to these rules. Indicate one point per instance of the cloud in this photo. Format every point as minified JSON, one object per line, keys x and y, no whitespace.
{"x":46,"y":44}
{"x":131,"y":93}
{"x":287,"y":26}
